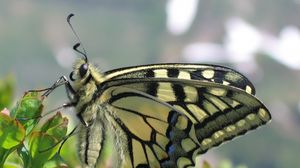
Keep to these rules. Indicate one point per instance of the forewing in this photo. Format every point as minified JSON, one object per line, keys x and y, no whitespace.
{"x":201,"y":72}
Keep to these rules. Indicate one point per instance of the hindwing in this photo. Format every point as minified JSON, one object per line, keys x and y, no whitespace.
{"x":169,"y":121}
{"x":153,"y":128}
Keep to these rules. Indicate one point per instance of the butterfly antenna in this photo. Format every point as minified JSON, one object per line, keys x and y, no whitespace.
{"x":75,"y":47}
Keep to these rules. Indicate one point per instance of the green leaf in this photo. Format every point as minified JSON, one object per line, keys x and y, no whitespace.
{"x":12,"y":134}
{"x":13,"y":161}
{"x":4,"y":153}
{"x":56,"y":126}
{"x":56,"y":162}
{"x":12,"y":165}
{"x":28,"y":110}
{"x":6,"y":91}
{"x":42,"y":148}
{"x":25,"y":156}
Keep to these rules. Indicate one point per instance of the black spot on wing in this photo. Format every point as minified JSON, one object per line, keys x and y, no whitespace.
{"x":219,"y":77}
{"x":196,"y":75}
{"x":173,"y":73}
{"x":149,"y":74}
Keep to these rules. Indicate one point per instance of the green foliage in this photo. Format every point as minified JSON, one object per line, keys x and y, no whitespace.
{"x":41,"y":147}
{"x":19,"y":137}
{"x":56,"y":162}
{"x":12,"y":134}
{"x":56,"y":126}
{"x":6,"y":91}
{"x":28,"y":110}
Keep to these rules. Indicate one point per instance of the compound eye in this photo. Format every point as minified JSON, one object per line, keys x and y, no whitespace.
{"x":83,"y":70}
{"x":72,"y":76}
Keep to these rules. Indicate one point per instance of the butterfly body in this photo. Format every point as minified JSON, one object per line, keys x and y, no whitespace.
{"x":162,"y":115}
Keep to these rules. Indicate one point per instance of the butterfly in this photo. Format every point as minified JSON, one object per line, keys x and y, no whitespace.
{"x":160,"y":115}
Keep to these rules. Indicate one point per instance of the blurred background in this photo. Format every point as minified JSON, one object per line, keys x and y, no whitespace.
{"x":261,"y":39}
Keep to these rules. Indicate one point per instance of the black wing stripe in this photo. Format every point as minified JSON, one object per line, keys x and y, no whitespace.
{"x":179,"y":92}
{"x":152,"y":89}
{"x":211,"y":124}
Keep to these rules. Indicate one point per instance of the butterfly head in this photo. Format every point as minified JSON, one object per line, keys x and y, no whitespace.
{"x":81,"y":72}
{"x":84,"y":73}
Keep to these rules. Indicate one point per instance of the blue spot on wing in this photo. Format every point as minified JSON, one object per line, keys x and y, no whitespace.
{"x":171,"y":149}
{"x":173,"y":117}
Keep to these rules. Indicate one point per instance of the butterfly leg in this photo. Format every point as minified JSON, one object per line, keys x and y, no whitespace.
{"x":71,"y":93}
{"x":65,"y":105}
{"x":63,"y":80}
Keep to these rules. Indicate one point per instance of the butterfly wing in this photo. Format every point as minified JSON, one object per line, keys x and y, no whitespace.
{"x":202,"y":72}
{"x":169,"y":121}
{"x":152,"y":129}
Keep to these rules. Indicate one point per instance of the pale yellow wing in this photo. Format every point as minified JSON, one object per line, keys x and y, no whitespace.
{"x":152,"y":128}
{"x":169,"y":121}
